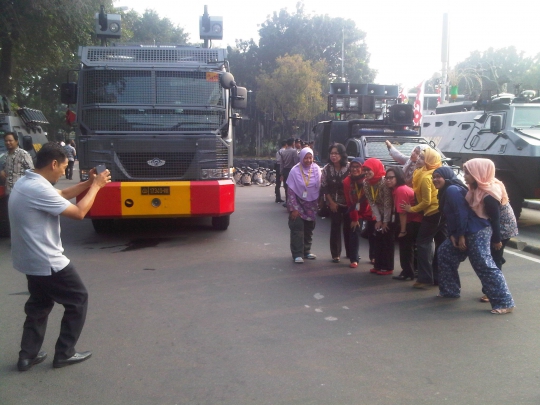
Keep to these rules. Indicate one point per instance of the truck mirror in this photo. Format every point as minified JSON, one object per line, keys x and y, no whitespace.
{"x":495,"y":124}
{"x":239,"y":98}
{"x":27,"y":143}
{"x":68,"y":93}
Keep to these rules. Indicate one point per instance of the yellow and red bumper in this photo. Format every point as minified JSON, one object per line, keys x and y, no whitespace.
{"x":150,"y":199}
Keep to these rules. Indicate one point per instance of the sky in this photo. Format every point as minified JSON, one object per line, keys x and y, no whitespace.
{"x":403,"y":37}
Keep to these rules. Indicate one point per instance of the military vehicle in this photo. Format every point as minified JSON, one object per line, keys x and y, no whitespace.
{"x":26,"y":123}
{"x":505,"y":129}
{"x":381,"y":117}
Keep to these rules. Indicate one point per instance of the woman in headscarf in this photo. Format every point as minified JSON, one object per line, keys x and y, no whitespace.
{"x":409,"y":223}
{"x":332,"y":177}
{"x":470,"y":236}
{"x":488,"y":198}
{"x":358,"y":208}
{"x":409,"y":163}
{"x":432,"y":227}
{"x":380,"y":200}
{"x":304,"y":184}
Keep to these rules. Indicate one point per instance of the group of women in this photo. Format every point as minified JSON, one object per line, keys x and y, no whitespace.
{"x":437,"y":219}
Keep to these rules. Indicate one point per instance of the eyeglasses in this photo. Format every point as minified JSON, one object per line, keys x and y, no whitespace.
{"x":389,"y":177}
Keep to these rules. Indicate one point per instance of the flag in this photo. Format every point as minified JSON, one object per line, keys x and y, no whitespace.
{"x":71,"y":117}
{"x":417,"y":120}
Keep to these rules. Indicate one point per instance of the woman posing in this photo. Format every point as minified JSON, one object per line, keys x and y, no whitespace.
{"x":304,"y":184}
{"x":432,"y":228}
{"x":409,"y":163}
{"x":333,"y":174}
{"x":409,"y":223}
{"x":488,"y":198}
{"x":358,"y":207}
{"x":470,"y":236}
{"x":380,"y":200}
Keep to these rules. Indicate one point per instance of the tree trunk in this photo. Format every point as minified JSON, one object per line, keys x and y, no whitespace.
{"x":6,"y":58}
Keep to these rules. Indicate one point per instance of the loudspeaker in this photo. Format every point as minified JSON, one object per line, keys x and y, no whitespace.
{"x":68,"y":93}
{"x":108,"y":26}
{"x":339,"y":88}
{"x":211,"y":27}
{"x":358,"y":89}
{"x":401,"y":114}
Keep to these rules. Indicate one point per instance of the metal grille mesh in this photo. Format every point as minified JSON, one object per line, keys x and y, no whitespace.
{"x":151,"y":120}
{"x":150,"y":55}
{"x":179,"y":158}
{"x":118,"y":87}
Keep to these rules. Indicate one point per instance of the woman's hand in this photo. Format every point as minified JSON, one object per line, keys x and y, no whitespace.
{"x":333,"y":206}
{"x":405,"y":206}
{"x":402,"y":234}
{"x":388,"y":144}
{"x":355,"y":224}
{"x":497,"y":246}
{"x":378,"y":225}
{"x":293,"y":215}
{"x":461,"y":243}
{"x":384,"y":227}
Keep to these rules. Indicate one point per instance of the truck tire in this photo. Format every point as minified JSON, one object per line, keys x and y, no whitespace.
{"x":221,"y":223}
{"x":103,"y":225}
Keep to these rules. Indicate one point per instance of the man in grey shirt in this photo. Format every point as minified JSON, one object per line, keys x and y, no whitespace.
{"x":36,"y":248}
{"x":289,"y":158}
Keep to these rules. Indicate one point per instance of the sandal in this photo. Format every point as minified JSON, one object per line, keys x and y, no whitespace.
{"x":403,"y":277}
{"x":484,"y":299}
{"x":502,"y":311}
{"x":353,"y":265}
{"x":335,"y":260}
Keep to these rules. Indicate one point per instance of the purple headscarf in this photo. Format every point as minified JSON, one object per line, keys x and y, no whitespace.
{"x":297,"y":182}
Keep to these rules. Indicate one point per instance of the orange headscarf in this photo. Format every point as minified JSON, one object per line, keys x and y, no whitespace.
{"x":483,"y":171}
{"x":432,"y":161}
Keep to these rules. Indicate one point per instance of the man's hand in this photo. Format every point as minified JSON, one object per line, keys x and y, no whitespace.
{"x":101,"y":179}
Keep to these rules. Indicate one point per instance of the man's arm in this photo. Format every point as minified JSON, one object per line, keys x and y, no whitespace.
{"x":93,"y":185}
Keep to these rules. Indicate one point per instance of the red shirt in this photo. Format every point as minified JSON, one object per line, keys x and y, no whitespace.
{"x":405,"y":193}
{"x":365,"y":210}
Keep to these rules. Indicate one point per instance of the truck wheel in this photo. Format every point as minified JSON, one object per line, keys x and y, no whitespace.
{"x":221,"y":223}
{"x":103,"y":225}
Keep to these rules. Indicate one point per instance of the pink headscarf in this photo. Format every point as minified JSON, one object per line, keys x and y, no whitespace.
{"x":483,"y":171}
{"x":300,"y":174}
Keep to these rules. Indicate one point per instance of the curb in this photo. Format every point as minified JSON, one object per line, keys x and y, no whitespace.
{"x":523,"y":246}
{"x":532,"y":204}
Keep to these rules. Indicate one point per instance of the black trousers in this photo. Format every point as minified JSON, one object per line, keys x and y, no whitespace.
{"x":431,"y":235}
{"x":69,"y":169}
{"x":406,"y":249}
{"x":383,"y":248}
{"x":498,"y":254}
{"x":340,"y":220}
{"x":285,"y":174}
{"x":278,"y":183}
{"x":66,"y":288}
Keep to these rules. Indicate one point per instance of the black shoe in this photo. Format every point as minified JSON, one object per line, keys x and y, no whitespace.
{"x":76,"y":358}
{"x":26,"y":364}
{"x":285,"y":205}
{"x":278,"y":201}
{"x":402,"y":277}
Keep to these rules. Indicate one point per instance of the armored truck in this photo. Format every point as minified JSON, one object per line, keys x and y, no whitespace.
{"x":26,"y":123}
{"x":506,"y":129}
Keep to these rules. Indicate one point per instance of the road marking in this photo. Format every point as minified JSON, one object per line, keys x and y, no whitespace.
{"x":523,"y":256}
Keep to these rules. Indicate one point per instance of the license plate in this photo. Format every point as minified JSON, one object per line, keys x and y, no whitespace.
{"x":155,"y":190}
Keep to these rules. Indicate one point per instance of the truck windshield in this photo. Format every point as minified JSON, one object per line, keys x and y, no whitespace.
{"x":526,"y":117}
{"x":143,"y":100}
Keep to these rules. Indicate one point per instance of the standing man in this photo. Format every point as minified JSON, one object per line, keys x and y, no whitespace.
{"x":278,"y":171}
{"x":71,"y":153}
{"x":37,"y":251}
{"x":17,"y":162}
{"x":289,"y":157}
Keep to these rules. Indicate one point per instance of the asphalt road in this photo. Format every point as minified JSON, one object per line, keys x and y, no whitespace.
{"x":181,"y":314}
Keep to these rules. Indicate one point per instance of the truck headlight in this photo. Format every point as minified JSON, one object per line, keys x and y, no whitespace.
{"x":214,"y":174}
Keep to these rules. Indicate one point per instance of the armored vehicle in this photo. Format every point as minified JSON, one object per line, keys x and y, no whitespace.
{"x":383,"y":118}
{"x":26,"y":123}
{"x":506,"y":129}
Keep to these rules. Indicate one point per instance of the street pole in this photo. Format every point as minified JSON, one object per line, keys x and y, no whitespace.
{"x":444,"y":58}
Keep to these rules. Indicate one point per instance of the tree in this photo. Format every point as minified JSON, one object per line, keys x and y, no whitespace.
{"x":293,"y":91}
{"x":151,"y":29}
